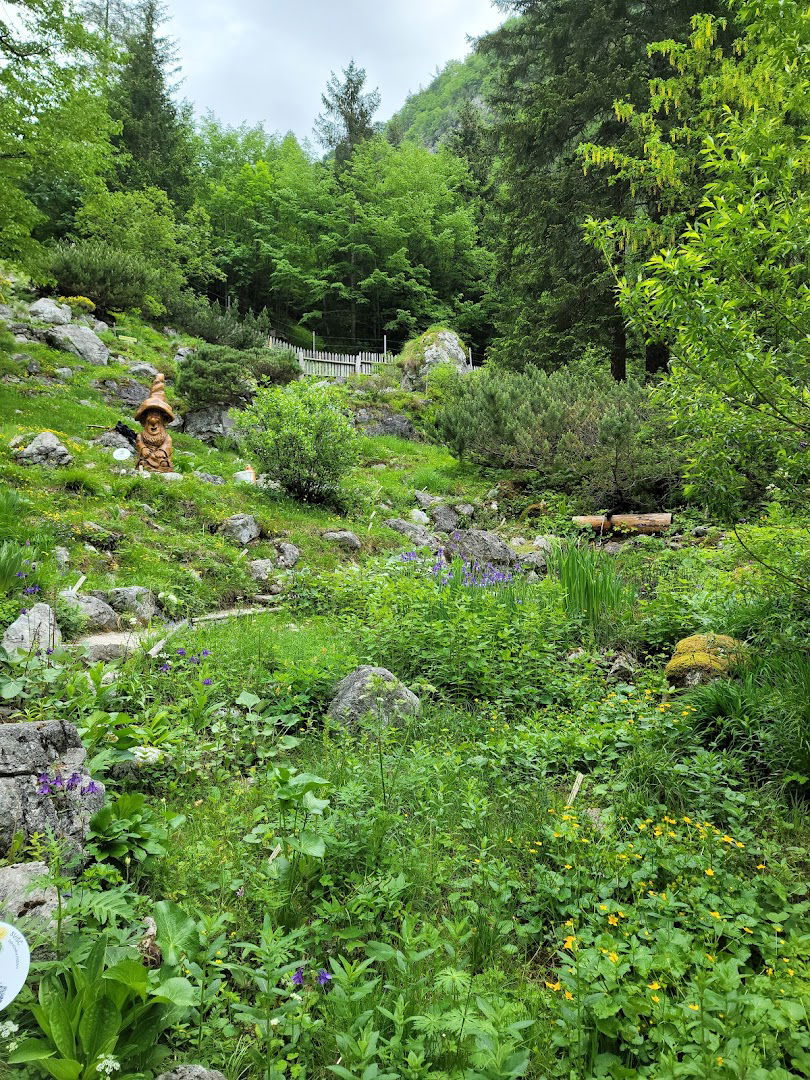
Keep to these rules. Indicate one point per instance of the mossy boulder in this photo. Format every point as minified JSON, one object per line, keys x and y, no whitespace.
{"x":436,"y":347}
{"x":701,"y":658}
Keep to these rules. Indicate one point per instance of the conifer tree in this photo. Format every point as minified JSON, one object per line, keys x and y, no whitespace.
{"x":348,"y":113}
{"x":155,"y":140}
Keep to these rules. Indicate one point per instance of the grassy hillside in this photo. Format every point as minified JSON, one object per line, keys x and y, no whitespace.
{"x":428,"y":115}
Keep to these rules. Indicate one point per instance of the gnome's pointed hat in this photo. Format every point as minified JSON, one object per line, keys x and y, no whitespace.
{"x":156,"y":399}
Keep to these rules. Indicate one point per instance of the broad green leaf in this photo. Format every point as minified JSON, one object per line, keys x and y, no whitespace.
{"x":31,"y":1050}
{"x":99,"y":1027}
{"x":176,"y":991}
{"x":175,"y":931}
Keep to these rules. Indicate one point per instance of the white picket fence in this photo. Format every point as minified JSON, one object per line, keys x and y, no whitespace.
{"x":334,"y":365}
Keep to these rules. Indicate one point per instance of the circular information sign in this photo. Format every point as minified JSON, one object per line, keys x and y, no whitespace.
{"x":15,"y":960}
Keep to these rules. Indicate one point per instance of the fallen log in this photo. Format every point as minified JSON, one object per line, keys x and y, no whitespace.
{"x":637,"y":523}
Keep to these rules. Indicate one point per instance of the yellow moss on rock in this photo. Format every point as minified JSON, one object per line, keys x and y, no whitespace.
{"x":685,"y":663}
{"x":716,"y":644}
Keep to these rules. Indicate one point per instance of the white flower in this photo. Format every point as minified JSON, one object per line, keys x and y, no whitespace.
{"x":146,"y":755}
{"x":108,"y":1065}
{"x":8,"y":1029}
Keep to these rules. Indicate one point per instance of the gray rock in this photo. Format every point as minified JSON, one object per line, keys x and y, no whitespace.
{"x":46,"y":450}
{"x":545,"y":544}
{"x":373,"y":691}
{"x":64,"y":374}
{"x":424,"y":500}
{"x":444,"y":517}
{"x":21,"y":897}
{"x":114,"y":440}
{"x":477,"y":545}
{"x":81,"y":341}
{"x":53,"y":748}
{"x":466,"y":510}
{"x":417,"y":534}
{"x":612,"y":547}
{"x":33,"y":367}
{"x":127,"y":391}
{"x":701,"y":530}
{"x":384,"y":422}
{"x":107,"y":646}
{"x":36,"y":629}
{"x":191,"y":1072}
{"x":209,"y":424}
{"x":183,"y":352}
{"x":134,"y":600}
{"x":533,"y":560}
{"x":20,"y":440}
{"x":244,"y":476}
{"x":209,"y":478}
{"x":97,"y":614}
{"x":143,"y":370}
{"x":623,"y":669}
{"x":48,"y":311}
{"x":288,"y":556}
{"x":62,"y":556}
{"x":241,"y":529}
{"x":99,"y":325}
{"x":419,"y":517}
{"x":343,"y":538}
{"x":262,"y":570}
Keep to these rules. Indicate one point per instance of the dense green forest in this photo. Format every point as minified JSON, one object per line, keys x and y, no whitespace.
{"x":401,"y":717}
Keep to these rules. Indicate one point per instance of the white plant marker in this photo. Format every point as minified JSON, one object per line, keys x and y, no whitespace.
{"x":15,"y":960}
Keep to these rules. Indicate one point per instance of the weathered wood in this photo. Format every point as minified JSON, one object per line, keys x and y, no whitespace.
{"x":638,"y":523}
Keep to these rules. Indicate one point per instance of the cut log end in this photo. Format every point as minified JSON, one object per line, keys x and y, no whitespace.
{"x":636,"y":523}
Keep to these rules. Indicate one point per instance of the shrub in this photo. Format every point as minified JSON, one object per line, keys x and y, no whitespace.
{"x":218,"y":375}
{"x":114,"y":279}
{"x":301,"y":437}
{"x":580,"y":431}
{"x":219,"y":325}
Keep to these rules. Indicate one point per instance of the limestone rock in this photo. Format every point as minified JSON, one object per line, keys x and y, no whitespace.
{"x":134,"y":600}
{"x":417,"y":534}
{"x":373,"y":691}
{"x":48,"y":311}
{"x":262,"y":570}
{"x":424,"y":500}
{"x":35,"y":629}
{"x":533,"y":560}
{"x":97,"y":614}
{"x":444,"y":517}
{"x":143,"y":370}
{"x":208,"y":424}
{"x":81,"y":341}
{"x":20,"y":898}
{"x":65,"y":803}
{"x":288,"y":556}
{"x":343,"y":538}
{"x":127,"y":391}
{"x":419,"y":517}
{"x":241,"y":529}
{"x":45,"y":449}
{"x":114,"y":440}
{"x":545,"y":544}
{"x":477,"y":545}
{"x":379,"y":421}
{"x":62,"y":556}
{"x":191,"y":1072}
{"x":433,"y":348}
{"x":623,"y":669}
{"x":466,"y":510}
{"x":209,"y":478}
{"x":183,"y":352}
{"x":64,"y":374}
{"x":107,"y":646}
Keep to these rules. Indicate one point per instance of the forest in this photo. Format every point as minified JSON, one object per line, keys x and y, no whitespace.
{"x":404,"y":557}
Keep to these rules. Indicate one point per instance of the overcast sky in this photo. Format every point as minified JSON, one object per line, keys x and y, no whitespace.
{"x":269,"y":60}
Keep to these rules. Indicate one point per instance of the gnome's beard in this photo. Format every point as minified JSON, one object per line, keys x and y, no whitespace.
{"x":155,"y":441}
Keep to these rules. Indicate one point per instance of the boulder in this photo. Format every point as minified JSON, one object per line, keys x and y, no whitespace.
{"x":479,"y":546}
{"x":35,"y":629}
{"x":143,"y":370}
{"x":424,"y":500}
{"x":191,"y":1072}
{"x":44,"y":785}
{"x":127,"y":391}
{"x":432,"y":349}
{"x":62,"y":557}
{"x":419,"y":517}
{"x":209,"y":424}
{"x":209,"y":478}
{"x":183,"y":352}
{"x":241,"y":529}
{"x":48,"y":311}
{"x":64,"y":374}
{"x":373,"y":691}
{"x":107,"y":646}
{"x":343,"y":538}
{"x":417,"y":534}
{"x":45,"y":449}
{"x":97,"y":614}
{"x":533,"y":560}
{"x":466,"y":510}
{"x":21,"y":897}
{"x":81,"y":341}
{"x":545,"y":544}
{"x":384,"y":422}
{"x":702,"y":658}
{"x":288,"y":556}
{"x":623,"y":669}
{"x":262,"y":570}
{"x":444,"y":517}
{"x":134,"y":600}
{"x":114,"y":440}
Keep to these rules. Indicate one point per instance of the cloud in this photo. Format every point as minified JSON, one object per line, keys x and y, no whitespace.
{"x":253,"y":61}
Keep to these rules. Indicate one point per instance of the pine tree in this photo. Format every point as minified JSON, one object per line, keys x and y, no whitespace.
{"x":155,"y":140}
{"x":347,"y":117}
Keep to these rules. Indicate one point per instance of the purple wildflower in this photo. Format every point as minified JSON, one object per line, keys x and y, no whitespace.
{"x":298,"y":977}
{"x":207,"y":682}
{"x":49,"y":652}
{"x":165,"y":667}
{"x":194,"y":659}
{"x":91,"y":789}
{"x":43,"y":784}
{"x":181,"y":652}
{"x":20,"y":574}
{"x":240,"y":892}
{"x":205,"y":652}
{"x":58,"y":782}
{"x":74,"y":781}
{"x":323,"y":977}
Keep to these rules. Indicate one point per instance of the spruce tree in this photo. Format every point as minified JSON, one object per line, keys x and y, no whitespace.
{"x":348,"y":113}
{"x":155,"y":139}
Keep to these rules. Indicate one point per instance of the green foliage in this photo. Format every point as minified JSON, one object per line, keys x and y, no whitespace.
{"x":127,"y":829}
{"x":579,"y":431}
{"x":114,"y":278}
{"x":592,"y":588}
{"x":729,"y":290}
{"x":217,"y":375}
{"x":15,"y":566}
{"x":430,"y":115}
{"x":301,"y":437}
{"x":93,"y":1011}
{"x":346,"y":120}
{"x":218,"y":325}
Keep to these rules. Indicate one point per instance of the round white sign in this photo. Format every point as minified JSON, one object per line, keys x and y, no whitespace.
{"x":121,"y":453}
{"x":15,"y":960}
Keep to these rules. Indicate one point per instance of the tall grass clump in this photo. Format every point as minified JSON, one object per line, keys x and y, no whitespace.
{"x":12,"y":509}
{"x":593,"y":591}
{"x":14,"y":565}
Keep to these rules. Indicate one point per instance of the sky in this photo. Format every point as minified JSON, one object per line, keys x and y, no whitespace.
{"x":269,"y":60}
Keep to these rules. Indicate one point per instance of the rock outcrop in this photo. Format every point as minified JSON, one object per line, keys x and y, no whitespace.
{"x":373,"y":692}
{"x":242,"y":529}
{"x":81,"y":341}
{"x":34,"y":629}
{"x":45,"y":449}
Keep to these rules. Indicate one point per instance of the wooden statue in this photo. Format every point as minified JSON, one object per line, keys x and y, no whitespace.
{"x":154,"y":444}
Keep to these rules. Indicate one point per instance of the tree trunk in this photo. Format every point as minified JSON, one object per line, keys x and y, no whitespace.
{"x":656,"y":357}
{"x":618,"y":354}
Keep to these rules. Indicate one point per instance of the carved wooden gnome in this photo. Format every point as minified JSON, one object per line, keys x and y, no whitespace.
{"x":154,"y":444}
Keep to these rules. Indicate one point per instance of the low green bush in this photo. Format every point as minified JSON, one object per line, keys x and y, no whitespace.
{"x":579,"y":431}
{"x":218,"y":325}
{"x":219,"y":375}
{"x":114,"y":279}
{"x":301,"y":437}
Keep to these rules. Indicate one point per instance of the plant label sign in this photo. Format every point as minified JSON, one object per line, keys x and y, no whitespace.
{"x":15,"y":960}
